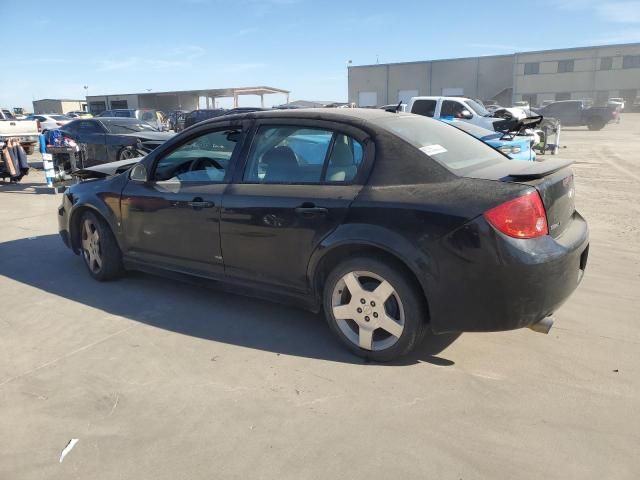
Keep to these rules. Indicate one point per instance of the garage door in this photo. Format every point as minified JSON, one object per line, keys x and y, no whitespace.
{"x":405,"y":96}
{"x":453,"y":92}
{"x":367,"y":99}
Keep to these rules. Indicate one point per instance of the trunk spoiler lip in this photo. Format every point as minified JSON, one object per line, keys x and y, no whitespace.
{"x":532,"y":170}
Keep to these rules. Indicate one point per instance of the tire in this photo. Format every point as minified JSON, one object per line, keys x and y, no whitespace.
{"x":367,"y":336}
{"x":595,"y":123}
{"x":127,"y":153}
{"x":99,"y":249}
{"x":29,"y":149}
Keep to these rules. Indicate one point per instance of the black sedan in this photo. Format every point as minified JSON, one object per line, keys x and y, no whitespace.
{"x":393,"y":224}
{"x":103,"y":140}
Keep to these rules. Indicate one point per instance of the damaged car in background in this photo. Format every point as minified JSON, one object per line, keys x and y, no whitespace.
{"x":88,"y":142}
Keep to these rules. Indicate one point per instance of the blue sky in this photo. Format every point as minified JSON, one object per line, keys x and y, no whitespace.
{"x":55,"y":48}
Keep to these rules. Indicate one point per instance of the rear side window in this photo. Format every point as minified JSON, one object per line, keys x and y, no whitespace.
{"x":453,"y":149}
{"x":295,"y":155}
{"x":426,"y":108}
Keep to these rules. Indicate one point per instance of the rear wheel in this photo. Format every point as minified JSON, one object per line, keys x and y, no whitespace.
{"x":595,"y":123}
{"x":29,"y":149}
{"x":99,"y":248}
{"x":374,"y":308}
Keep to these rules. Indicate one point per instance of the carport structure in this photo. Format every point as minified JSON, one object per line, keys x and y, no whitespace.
{"x":186,"y":99}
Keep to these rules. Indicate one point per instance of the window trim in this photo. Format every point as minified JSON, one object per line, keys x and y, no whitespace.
{"x":368,"y":149}
{"x":200,"y":133}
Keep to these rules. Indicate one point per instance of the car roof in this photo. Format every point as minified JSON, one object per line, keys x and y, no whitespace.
{"x":436,"y":97}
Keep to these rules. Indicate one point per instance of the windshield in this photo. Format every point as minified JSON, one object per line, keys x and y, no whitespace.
{"x":61,"y":117}
{"x":479,"y":109}
{"x":448,"y":146}
{"x":124,"y":126}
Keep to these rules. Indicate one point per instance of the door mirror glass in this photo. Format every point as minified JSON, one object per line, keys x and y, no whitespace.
{"x":466,"y":114}
{"x":138,"y":173}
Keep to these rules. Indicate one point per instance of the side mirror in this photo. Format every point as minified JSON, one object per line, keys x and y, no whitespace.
{"x":466,"y":114}
{"x":138,"y":173}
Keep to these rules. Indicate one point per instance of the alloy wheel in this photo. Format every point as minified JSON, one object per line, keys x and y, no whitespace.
{"x":368,"y":310}
{"x":91,"y":249}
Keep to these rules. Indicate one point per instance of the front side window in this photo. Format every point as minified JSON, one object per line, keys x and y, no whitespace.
{"x":451,"y":109}
{"x":298,"y":155}
{"x":205,"y":158}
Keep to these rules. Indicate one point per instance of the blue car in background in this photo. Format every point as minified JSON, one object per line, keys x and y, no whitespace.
{"x":517,"y":147}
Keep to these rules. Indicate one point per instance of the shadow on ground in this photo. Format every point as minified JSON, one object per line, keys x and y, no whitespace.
{"x":44,"y":263}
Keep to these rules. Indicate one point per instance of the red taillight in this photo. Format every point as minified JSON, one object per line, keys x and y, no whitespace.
{"x":522,"y":217}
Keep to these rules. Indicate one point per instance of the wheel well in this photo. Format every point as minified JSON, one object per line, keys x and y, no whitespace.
{"x":74,"y":225}
{"x":329,"y":261}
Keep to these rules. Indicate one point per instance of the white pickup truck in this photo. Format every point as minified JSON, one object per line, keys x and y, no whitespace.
{"x":26,"y":131}
{"x":460,"y":108}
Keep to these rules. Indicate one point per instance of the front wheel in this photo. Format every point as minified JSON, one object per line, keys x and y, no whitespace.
{"x":127,"y":153}
{"x":99,"y":248}
{"x":374,"y":308}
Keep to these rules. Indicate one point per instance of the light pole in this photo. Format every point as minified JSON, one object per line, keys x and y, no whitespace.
{"x":86,"y":94}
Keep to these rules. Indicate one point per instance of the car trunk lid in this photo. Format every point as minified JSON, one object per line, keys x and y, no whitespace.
{"x":553,"y":179}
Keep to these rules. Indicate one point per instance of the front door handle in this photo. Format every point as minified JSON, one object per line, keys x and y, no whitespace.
{"x":197,"y":203}
{"x":308,"y":209}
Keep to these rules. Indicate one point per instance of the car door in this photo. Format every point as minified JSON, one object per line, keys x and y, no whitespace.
{"x":298,"y":181}
{"x":90,"y":135}
{"x":172,"y":220}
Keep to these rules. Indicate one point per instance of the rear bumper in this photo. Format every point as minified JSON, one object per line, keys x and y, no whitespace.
{"x":490,"y":282}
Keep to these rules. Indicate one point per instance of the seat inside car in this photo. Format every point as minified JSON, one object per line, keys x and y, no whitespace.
{"x":282,"y":165}
{"x":341,"y":167}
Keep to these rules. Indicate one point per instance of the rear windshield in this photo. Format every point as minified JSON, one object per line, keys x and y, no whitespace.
{"x":453,"y":149}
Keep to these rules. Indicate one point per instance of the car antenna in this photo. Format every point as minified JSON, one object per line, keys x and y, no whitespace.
{"x":395,"y":109}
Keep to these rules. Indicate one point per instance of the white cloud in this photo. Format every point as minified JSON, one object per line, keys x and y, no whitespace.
{"x":620,"y":12}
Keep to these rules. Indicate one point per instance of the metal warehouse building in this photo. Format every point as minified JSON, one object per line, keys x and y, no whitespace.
{"x":58,"y":105}
{"x":596,"y":73}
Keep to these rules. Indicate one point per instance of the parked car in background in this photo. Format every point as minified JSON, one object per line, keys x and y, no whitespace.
{"x":198,"y":116}
{"x":394,"y":225}
{"x":175,"y":120}
{"x":50,"y":121}
{"x":149,"y":116}
{"x":572,"y":113}
{"x":26,"y":131}
{"x":618,"y":101}
{"x":79,"y":114}
{"x":515,"y":146}
{"x":103,"y":140}
{"x":461,"y":108}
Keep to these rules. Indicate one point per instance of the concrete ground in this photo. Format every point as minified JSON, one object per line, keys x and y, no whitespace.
{"x":163,"y":380}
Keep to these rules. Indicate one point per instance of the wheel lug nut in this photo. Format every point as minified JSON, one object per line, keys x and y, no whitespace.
{"x":375,"y":314}
{"x":373,"y":304}
{"x":366,"y":319}
{"x":362,"y":301}
{"x":359,"y":310}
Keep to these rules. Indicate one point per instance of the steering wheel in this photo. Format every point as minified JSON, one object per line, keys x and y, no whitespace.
{"x":200,"y":163}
